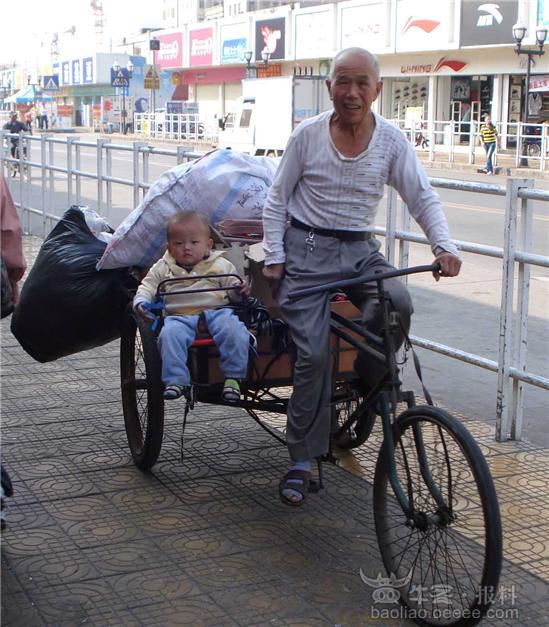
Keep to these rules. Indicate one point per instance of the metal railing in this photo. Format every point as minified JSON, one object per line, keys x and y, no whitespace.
{"x":520,"y":143}
{"x":179,"y":126}
{"x":517,"y":258}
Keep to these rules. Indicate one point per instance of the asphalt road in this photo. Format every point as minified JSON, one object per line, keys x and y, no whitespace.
{"x":461,"y":312}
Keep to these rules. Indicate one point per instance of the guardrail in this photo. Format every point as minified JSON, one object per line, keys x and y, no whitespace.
{"x":516,"y":254}
{"x":520,"y":143}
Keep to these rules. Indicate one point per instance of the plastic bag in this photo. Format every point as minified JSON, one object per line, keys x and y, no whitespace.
{"x":66,"y":305}
{"x":222,"y":184}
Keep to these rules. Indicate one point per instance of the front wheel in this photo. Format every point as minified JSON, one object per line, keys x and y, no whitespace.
{"x":445,"y":553}
{"x":142,"y":391}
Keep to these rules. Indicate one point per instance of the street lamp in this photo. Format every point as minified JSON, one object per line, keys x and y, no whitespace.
{"x":252,"y":70}
{"x":519,"y":32}
{"x":123,"y":80}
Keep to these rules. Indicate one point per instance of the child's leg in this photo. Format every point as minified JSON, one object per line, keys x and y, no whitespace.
{"x":177,"y":335}
{"x":232,"y":340}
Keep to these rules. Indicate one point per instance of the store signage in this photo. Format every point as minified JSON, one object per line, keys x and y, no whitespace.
{"x":539,"y":83}
{"x":364,"y":23}
{"x":201,"y":46}
{"x":432,"y":68}
{"x":313,"y":34}
{"x":270,"y":37}
{"x":423,"y":26}
{"x":65,"y":73}
{"x":232,"y":50}
{"x":487,"y":22}
{"x":87,"y":70}
{"x":76,"y":72}
{"x":170,"y":54}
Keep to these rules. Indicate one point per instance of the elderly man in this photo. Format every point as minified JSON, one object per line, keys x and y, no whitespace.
{"x":330,"y":181}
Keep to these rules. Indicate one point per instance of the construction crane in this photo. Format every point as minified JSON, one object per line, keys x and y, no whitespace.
{"x":99,"y":22}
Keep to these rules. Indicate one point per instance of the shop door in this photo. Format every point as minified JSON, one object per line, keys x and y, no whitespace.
{"x":207,"y":97}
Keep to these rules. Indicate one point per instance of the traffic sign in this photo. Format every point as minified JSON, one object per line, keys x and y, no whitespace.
{"x":120,"y":77}
{"x":51,"y":83}
{"x":152,"y":79}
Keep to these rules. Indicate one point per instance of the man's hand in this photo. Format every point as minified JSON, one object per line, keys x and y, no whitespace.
{"x":243,"y":290}
{"x":449,"y":265}
{"x":274,"y":274}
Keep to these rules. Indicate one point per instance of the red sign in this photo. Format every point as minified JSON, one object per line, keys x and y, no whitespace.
{"x":64,"y":111}
{"x":170,"y":54}
{"x":201,"y":46}
{"x":431,"y":68}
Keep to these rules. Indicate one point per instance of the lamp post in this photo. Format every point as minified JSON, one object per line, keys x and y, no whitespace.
{"x":122,"y":79}
{"x":519,"y":32}
{"x":252,"y":70}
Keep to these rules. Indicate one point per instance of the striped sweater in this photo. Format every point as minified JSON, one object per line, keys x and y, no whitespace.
{"x":488,"y":134}
{"x":319,"y":186}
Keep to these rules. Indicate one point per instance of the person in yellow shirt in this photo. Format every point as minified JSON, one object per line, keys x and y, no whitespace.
{"x":488,"y":136}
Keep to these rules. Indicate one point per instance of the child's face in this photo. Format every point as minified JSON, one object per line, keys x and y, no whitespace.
{"x":189,"y":242}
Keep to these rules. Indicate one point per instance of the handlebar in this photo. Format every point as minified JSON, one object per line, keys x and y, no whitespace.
{"x":325,"y":287}
{"x":160,"y":292}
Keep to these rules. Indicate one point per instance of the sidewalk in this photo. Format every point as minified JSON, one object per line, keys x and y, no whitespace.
{"x":204,"y":540}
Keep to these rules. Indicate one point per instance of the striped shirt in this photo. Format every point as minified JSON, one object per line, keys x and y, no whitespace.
{"x":319,"y":186}
{"x":488,"y":134}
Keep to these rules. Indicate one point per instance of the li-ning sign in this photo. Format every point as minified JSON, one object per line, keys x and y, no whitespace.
{"x":431,"y":68}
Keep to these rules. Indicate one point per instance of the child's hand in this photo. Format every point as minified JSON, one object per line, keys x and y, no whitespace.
{"x":144,"y":313}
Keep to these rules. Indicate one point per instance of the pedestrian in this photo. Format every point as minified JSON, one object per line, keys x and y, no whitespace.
{"x":13,"y":268}
{"x":488,"y":136}
{"x":28,"y":120}
{"x":43,"y":119}
{"x":189,"y":253}
{"x":329,"y":183}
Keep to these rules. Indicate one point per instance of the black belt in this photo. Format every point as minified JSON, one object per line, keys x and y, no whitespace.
{"x":344,"y":236}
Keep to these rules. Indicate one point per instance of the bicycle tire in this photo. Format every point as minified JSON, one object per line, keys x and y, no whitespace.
{"x":452,"y":548}
{"x":534,"y":150}
{"x":362,"y":422}
{"x":142,"y":391}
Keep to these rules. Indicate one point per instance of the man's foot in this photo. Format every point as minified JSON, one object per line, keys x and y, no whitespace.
{"x":231,"y":391}
{"x":173,"y":391}
{"x":490,"y":173}
{"x":294,"y":485}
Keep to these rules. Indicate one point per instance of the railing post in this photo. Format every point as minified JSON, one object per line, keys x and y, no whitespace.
{"x":78,"y":164}
{"x":44,"y":173}
{"x":472,"y":142}
{"x":99,"y":166}
{"x":70,"y":141}
{"x":523,"y":296}
{"x":181,"y":156}
{"x":505,"y":353}
{"x":432,"y":140}
{"x":108,"y":173}
{"x":136,"y":187}
{"x":51,"y":177}
{"x":390,"y":225}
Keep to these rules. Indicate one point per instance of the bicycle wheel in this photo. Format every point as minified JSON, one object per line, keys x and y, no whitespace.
{"x":142,"y":391}
{"x":360,"y":426}
{"x":445,"y":557}
{"x":534,"y":150}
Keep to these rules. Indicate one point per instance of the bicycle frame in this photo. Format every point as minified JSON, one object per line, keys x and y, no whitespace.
{"x":388,"y":398}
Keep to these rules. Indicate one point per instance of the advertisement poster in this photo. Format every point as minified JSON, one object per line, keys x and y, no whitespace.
{"x":170,"y":54}
{"x":270,"y":37}
{"x":487,"y":23}
{"x":201,"y":47}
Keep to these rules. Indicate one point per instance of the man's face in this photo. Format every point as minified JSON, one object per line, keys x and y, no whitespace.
{"x":189,"y":242}
{"x":353,"y":88}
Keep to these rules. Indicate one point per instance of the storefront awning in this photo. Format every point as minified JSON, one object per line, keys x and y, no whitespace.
{"x":28,"y":93}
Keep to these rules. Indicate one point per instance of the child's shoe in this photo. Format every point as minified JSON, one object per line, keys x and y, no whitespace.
{"x":173,"y":391}
{"x":231,"y":391}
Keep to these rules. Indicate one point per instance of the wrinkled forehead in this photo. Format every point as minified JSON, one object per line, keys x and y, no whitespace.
{"x":355,"y":64}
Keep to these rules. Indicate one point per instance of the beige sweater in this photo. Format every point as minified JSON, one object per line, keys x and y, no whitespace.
{"x":189,"y":304}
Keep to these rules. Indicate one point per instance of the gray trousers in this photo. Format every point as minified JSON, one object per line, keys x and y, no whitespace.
{"x":309,"y":412}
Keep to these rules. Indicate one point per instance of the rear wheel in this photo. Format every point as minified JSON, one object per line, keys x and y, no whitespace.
{"x":445,"y":555}
{"x":142,"y":391}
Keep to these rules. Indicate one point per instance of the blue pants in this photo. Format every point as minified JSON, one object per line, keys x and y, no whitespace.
{"x":490,"y":149}
{"x":178,"y":333}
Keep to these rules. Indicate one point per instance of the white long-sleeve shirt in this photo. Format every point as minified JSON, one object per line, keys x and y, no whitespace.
{"x":322,"y":188}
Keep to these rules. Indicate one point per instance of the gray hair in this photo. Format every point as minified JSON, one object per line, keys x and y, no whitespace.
{"x":358,"y":51}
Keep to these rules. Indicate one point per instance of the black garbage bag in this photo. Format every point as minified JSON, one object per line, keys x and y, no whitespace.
{"x":66,"y":305}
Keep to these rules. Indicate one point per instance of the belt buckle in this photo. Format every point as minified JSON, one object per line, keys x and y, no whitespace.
{"x":310,"y":240}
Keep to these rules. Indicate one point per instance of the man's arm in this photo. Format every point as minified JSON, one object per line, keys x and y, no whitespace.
{"x":409,"y":179}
